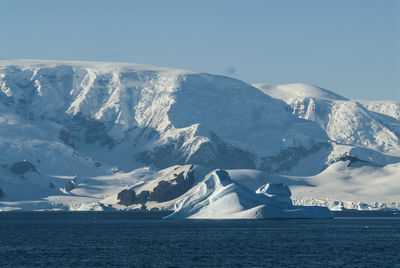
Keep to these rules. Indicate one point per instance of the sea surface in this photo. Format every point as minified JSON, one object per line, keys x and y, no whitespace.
{"x":137,"y":239}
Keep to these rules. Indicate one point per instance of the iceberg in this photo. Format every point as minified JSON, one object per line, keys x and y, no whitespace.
{"x":219,"y":197}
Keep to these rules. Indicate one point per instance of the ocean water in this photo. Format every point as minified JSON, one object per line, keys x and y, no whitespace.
{"x":132,"y":239}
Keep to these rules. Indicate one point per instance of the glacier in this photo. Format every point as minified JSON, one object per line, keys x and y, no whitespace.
{"x":93,"y":130}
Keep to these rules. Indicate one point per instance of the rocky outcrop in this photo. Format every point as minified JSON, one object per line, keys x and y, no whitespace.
{"x":69,"y":186}
{"x":23,"y":167}
{"x":166,"y":190}
{"x":126,"y":197}
{"x":354,"y":161}
{"x":1,"y":193}
{"x":143,"y":197}
{"x":290,"y":157}
{"x":214,"y":154}
{"x":169,"y":190}
{"x":80,"y":127}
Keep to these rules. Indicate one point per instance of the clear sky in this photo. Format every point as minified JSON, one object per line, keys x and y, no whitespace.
{"x":349,"y":46}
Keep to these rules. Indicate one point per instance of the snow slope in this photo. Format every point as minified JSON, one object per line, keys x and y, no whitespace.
{"x":342,"y":187}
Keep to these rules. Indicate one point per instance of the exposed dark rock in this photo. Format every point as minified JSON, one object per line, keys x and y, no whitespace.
{"x":69,"y":186}
{"x":213,"y":154}
{"x":126,"y":197}
{"x":51,"y":185}
{"x":351,"y":159}
{"x":81,"y":127}
{"x":143,"y":197}
{"x":97,"y":164}
{"x":1,"y":193}
{"x":167,"y":190}
{"x":96,"y":131}
{"x":22,"y":167}
{"x":171,"y":189}
{"x":228,"y":156}
{"x":224,"y":177}
{"x":289,"y":157}
{"x":354,"y":159}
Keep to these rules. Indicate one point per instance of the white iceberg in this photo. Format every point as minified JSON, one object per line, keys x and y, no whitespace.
{"x":219,"y":197}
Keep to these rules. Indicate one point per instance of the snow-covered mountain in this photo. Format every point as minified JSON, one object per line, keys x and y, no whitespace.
{"x":163,"y":116}
{"x":366,"y":134}
{"x":345,"y":121}
{"x":76,"y":135}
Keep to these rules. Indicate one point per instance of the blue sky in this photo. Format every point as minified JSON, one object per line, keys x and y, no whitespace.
{"x":350,"y":47}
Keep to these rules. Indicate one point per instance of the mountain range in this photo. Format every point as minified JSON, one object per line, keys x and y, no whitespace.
{"x":98,"y":136}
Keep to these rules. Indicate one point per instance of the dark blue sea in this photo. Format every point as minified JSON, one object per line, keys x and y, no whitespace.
{"x":137,"y":239}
